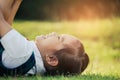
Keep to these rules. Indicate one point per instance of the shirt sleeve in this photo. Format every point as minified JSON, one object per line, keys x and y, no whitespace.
{"x":16,"y":44}
{"x":17,"y":48}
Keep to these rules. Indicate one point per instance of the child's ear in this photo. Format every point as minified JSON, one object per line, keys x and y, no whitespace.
{"x":85,"y":62}
{"x":52,"y":60}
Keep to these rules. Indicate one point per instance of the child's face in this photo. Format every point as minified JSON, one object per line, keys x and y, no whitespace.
{"x":52,"y":42}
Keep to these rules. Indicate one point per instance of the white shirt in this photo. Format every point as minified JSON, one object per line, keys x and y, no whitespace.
{"x":18,"y":50}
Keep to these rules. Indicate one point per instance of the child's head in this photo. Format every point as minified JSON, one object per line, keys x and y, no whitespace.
{"x":62,"y":54}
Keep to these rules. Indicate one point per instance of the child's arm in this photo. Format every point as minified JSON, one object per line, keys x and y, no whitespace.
{"x":7,"y":15}
{"x":17,"y":48}
{"x":14,"y":10}
{"x":9,"y":9}
{"x":4,"y":26}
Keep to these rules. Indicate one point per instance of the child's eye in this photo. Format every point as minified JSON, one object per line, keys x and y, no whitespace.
{"x":58,"y":37}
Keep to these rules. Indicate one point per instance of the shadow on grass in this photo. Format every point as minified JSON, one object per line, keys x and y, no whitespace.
{"x":79,"y":77}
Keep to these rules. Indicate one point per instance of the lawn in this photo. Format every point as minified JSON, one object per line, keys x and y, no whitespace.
{"x":101,"y":39}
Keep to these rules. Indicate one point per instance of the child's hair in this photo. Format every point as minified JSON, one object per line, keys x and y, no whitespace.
{"x":70,"y":62}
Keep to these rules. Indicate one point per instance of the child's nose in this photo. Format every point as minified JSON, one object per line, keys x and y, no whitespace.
{"x":53,"y":34}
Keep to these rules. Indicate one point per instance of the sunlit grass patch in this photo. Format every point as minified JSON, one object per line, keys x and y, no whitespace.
{"x":101,"y":58}
{"x":84,"y":29}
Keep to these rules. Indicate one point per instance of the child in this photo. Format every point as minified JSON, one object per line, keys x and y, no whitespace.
{"x":52,"y":54}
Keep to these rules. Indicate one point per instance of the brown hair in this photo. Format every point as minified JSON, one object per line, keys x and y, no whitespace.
{"x":70,"y":62}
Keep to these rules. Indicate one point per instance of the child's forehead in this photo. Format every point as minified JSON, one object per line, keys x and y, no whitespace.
{"x":72,"y":42}
{"x":71,"y":39}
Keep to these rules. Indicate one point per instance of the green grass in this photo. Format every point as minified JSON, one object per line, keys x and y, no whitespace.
{"x":81,"y":77}
{"x":98,"y":37}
